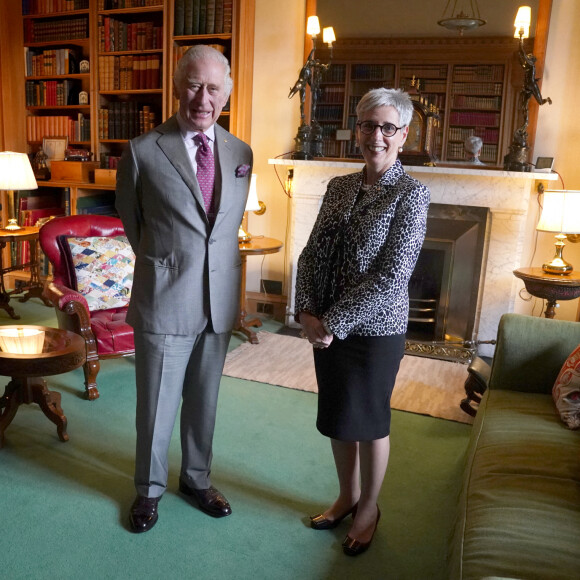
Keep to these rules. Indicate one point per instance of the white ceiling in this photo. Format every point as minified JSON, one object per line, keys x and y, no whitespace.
{"x":415,"y":18}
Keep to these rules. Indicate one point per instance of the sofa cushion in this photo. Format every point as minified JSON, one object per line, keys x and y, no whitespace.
{"x":566,"y":390}
{"x":519,"y":515}
{"x":104,"y":270}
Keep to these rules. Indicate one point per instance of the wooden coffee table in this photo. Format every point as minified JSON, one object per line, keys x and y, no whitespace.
{"x":62,"y":352}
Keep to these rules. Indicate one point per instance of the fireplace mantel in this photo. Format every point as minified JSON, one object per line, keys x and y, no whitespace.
{"x":509,"y":195}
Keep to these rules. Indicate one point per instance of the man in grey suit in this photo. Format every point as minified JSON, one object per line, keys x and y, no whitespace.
{"x":181,"y":194}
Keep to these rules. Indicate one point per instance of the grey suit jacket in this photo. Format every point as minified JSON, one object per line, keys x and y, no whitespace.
{"x":185,"y":270}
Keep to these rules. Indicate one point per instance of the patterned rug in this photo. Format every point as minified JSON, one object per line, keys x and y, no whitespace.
{"x":426,"y":386}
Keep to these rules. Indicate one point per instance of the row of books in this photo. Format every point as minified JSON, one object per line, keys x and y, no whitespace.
{"x":193,"y":17}
{"x":488,"y":152}
{"x":329,"y":113}
{"x":52,"y":93}
{"x":475,"y":118}
{"x":468,"y":102}
{"x":56,"y":30}
{"x":109,"y":161}
{"x":117,"y":4}
{"x":129,"y":72}
{"x":125,"y":120}
{"x":372,"y":72}
{"x":77,"y":128}
{"x":477,"y":88}
{"x":333,"y":94}
{"x":98,"y":204}
{"x":478,"y":73}
{"x":335,"y":74}
{"x":52,"y":6}
{"x":436,"y":71}
{"x":50,"y":62}
{"x":116,"y":35}
{"x":487,"y":135}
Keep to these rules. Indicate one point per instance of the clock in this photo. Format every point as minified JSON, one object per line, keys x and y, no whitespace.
{"x":419,"y":147}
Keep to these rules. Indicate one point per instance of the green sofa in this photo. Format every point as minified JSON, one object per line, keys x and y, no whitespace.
{"x":519,"y":509}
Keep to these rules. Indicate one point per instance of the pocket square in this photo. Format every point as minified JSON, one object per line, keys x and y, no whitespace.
{"x":242,"y":170}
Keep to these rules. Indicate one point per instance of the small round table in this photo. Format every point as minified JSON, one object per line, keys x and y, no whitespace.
{"x":255,"y":247}
{"x":550,"y":287}
{"x":62,"y":351}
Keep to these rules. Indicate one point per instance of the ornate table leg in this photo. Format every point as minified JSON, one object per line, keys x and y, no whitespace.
{"x":4,"y":296}
{"x":9,"y":404}
{"x":242,"y":325}
{"x":35,"y":286}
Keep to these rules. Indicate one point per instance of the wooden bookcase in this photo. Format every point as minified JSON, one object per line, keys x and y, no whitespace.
{"x":115,"y":38}
{"x":473,"y":82}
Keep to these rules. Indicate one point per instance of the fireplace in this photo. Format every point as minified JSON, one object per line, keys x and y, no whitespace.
{"x":445,"y":286}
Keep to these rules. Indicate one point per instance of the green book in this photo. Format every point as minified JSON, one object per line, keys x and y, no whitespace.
{"x":188,"y":17}
{"x":179,"y":26}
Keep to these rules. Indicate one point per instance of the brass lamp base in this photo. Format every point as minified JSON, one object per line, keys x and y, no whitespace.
{"x":558,"y":265}
{"x":243,"y":235}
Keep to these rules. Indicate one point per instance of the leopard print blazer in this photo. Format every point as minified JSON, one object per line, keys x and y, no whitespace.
{"x":354,"y":271}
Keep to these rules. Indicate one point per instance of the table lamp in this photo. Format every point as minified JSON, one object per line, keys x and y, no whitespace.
{"x":560,"y":215}
{"x":253,"y":204}
{"x":15,"y":174}
{"x":21,"y":340}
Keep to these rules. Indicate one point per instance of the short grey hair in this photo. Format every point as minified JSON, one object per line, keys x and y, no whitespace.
{"x":387,"y":98}
{"x":202,"y":52}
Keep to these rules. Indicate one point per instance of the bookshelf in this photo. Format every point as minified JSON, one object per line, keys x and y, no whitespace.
{"x":118,"y":40}
{"x":472,"y":99}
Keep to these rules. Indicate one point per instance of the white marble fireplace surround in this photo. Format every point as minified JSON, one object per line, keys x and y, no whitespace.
{"x":509,"y":195}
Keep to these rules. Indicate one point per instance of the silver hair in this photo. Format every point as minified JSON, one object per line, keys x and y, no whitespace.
{"x":387,"y":98}
{"x":202,"y":52}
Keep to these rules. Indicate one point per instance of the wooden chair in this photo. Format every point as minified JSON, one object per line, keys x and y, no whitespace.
{"x":105,"y":331}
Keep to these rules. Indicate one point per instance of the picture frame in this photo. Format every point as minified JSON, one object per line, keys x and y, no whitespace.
{"x":54,"y":148}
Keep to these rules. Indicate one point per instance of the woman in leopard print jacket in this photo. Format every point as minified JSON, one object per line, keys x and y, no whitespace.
{"x":352,"y":302}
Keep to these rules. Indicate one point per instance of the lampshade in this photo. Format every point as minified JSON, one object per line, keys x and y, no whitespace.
{"x":21,"y":340}
{"x":522,"y":22}
{"x":560,"y":212}
{"x":313,"y":26}
{"x":253,"y":204}
{"x":16,"y":172}
{"x":328,"y":36}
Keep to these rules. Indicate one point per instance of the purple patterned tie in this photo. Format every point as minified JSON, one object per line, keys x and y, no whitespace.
{"x":205,"y":169}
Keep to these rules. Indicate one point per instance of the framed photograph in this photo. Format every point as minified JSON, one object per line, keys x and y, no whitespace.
{"x":54,"y":148}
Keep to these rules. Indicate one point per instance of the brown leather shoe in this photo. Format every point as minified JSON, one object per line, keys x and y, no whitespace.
{"x":319,"y":522}
{"x":143,"y":515}
{"x":211,"y":501}
{"x":352,"y":547}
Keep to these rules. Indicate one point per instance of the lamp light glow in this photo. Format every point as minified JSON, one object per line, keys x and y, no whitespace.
{"x":21,"y":340}
{"x":523,"y":22}
{"x":252,"y":204}
{"x":328,"y":36}
{"x":15,"y":174}
{"x":313,"y":26}
{"x":560,"y":215}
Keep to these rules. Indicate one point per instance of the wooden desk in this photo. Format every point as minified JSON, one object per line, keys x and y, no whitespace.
{"x":255,"y":247}
{"x":62,"y":352}
{"x":550,"y":287}
{"x":34,"y":286}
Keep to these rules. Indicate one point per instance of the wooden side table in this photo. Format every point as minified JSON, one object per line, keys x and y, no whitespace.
{"x":550,"y":287}
{"x":34,"y":286}
{"x":62,"y":352}
{"x":255,"y":247}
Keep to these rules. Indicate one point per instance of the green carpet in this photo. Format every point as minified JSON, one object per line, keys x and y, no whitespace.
{"x":63,"y":506}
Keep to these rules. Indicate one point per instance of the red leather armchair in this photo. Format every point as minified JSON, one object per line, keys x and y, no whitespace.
{"x":106,"y":333}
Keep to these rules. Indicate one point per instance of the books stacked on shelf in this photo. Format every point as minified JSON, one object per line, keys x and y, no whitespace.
{"x":46,"y":63}
{"x":117,"y":4}
{"x":76,"y":129}
{"x":199,"y":17}
{"x":475,"y":118}
{"x":372,"y":72}
{"x":125,"y":120}
{"x":100,"y":204}
{"x":488,"y":135}
{"x":52,"y":93}
{"x":56,"y":30}
{"x":478,"y":72}
{"x":130,"y":72}
{"x":478,"y":88}
{"x":117,"y":35}
{"x":329,"y":113}
{"x":468,"y":102}
{"x":109,"y":161}
{"x":335,"y":74}
{"x":333,"y":94}
{"x":51,"y":6}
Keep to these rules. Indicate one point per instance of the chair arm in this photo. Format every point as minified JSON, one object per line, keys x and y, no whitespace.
{"x":60,"y":296}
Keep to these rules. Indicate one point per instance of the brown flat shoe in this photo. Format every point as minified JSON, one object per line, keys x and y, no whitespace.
{"x":319,"y":522}
{"x":352,"y":547}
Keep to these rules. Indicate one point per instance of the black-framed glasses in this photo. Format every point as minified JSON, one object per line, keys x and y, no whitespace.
{"x":388,"y":129}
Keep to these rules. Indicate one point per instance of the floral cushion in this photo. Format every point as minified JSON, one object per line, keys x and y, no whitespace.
{"x":566,"y":390}
{"x":104,"y":270}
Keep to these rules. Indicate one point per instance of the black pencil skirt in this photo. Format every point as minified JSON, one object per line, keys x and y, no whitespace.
{"x":355,"y":379}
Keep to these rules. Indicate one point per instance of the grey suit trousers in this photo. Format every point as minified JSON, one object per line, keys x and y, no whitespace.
{"x":171,"y":369}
